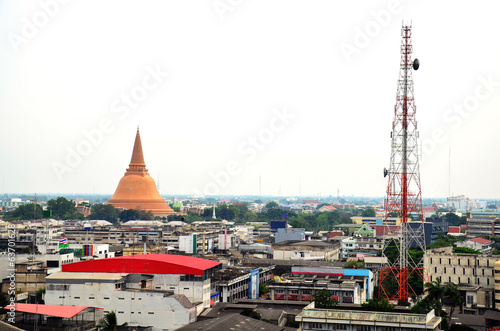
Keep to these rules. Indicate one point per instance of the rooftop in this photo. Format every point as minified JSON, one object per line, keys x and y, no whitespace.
{"x":481,"y":240}
{"x":233,"y":322}
{"x":51,"y":310}
{"x":144,"y":263}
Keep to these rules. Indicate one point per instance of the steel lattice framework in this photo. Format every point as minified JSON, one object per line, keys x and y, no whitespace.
{"x":404,"y":197}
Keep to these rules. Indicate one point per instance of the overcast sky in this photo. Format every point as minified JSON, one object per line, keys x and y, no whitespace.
{"x":301,"y":93}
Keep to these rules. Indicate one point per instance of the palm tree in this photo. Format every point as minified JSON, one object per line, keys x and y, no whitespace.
{"x":452,"y":298}
{"x":109,"y":322}
{"x":434,"y":295}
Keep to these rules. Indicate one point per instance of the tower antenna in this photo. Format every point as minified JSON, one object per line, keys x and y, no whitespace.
{"x":404,"y":195}
{"x":449,"y":172}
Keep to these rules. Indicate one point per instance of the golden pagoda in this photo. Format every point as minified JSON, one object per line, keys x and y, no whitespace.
{"x":137,"y":189}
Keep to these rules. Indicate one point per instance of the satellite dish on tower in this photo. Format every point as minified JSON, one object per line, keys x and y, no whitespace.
{"x":386,"y":172}
{"x":416,"y":64}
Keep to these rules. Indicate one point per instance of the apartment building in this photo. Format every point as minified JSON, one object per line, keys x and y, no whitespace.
{"x":475,"y":275}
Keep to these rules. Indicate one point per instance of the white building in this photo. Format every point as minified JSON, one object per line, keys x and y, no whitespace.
{"x":157,"y":290}
{"x":132,"y":303}
{"x":348,"y":245}
{"x":166,"y":274}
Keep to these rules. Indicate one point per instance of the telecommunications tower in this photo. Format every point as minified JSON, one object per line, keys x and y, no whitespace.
{"x":404,"y":197}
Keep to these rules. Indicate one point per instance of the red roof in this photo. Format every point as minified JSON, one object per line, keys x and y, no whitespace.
{"x":428,"y":209}
{"x":146,"y":263}
{"x":453,"y":229}
{"x":383,"y":230}
{"x":481,"y":240}
{"x":50,"y":310}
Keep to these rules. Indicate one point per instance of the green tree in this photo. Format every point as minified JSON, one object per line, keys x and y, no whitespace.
{"x":263,"y":289}
{"x":4,"y":301}
{"x":466,"y":250}
{"x":26,"y":212}
{"x":455,"y":220}
{"x":452,"y":298}
{"x":377,"y":304}
{"x":370,"y":212}
{"x":272,"y":204}
{"x":63,"y":208}
{"x":39,"y":295}
{"x":104,"y":212}
{"x":434,"y":294}
{"x":323,"y":299}
{"x":355,"y":264}
{"x":109,"y":322}
{"x":135,"y":214}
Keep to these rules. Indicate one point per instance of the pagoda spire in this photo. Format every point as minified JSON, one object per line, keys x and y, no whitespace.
{"x":137,"y":160}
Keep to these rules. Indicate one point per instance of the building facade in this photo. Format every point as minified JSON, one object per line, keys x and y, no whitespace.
{"x":354,"y":319}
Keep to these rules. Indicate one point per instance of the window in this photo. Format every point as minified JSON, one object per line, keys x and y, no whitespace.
{"x":363,"y":328}
{"x":341,"y":326}
{"x":76,"y":297}
{"x":151,"y":313}
{"x":91,"y":298}
{"x":316,"y":326}
{"x":470,"y":299}
{"x":120,"y":312}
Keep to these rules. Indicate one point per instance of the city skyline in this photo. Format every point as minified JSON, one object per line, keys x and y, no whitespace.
{"x":279,"y":99}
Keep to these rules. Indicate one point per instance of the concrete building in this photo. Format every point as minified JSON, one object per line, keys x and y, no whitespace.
{"x":240,"y":283}
{"x":474,"y":275}
{"x":306,"y":250}
{"x":482,"y":226}
{"x":461,"y":202}
{"x":375,"y":220}
{"x":348,"y":246}
{"x":439,"y":224}
{"x":481,"y":244}
{"x":131,"y":296}
{"x":182,"y":275}
{"x":289,"y":234}
{"x":497,"y":285}
{"x":353,"y":318}
{"x":29,"y":277}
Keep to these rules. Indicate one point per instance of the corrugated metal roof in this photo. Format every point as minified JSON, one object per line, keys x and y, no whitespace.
{"x":145,"y":263}
{"x":51,"y":310}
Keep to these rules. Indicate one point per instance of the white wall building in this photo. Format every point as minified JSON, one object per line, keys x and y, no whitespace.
{"x":151,"y":285}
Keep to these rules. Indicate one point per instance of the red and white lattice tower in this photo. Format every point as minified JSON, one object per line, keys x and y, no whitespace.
{"x":404,"y":197}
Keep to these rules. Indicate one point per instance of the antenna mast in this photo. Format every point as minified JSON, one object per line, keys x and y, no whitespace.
{"x":404,"y":196}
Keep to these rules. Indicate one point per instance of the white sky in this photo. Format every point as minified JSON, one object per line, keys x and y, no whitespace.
{"x":228,"y":72}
